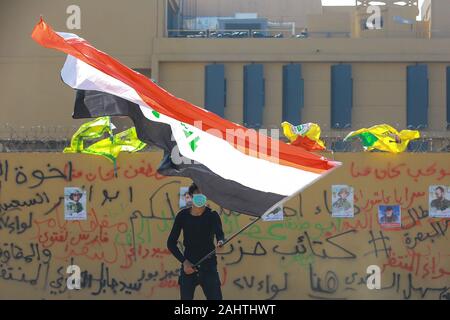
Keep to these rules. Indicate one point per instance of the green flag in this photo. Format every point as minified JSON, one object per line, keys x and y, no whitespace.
{"x":109,"y":147}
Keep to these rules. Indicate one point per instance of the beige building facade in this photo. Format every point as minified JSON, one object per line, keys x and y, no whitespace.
{"x":135,"y":32}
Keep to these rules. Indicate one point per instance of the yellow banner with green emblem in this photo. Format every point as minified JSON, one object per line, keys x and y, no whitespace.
{"x":383,"y":137}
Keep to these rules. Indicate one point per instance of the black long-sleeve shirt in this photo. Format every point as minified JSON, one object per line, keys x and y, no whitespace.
{"x":198,"y":234}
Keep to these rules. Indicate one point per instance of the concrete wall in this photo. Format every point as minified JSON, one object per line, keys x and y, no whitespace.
{"x":121,"y":247}
{"x":330,"y":22}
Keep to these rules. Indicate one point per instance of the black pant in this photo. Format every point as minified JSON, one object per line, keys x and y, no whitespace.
{"x":207,"y":278}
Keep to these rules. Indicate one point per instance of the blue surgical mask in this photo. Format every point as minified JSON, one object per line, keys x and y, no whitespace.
{"x":199,"y":200}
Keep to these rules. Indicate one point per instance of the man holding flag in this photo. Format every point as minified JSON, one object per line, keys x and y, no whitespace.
{"x":199,"y":225}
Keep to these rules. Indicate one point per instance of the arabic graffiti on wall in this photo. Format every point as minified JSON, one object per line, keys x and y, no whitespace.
{"x":121,"y":247}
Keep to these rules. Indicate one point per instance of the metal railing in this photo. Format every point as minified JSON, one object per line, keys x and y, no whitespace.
{"x":36,"y":138}
{"x":56,"y":138}
{"x":249,"y":33}
{"x":328,"y":34}
{"x":335,"y":144}
{"x":422,"y":145}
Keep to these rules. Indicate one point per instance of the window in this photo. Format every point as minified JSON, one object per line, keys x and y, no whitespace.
{"x":293,"y":93}
{"x":215,"y":89}
{"x":417,"y":97}
{"x":341,"y":96}
{"x":254,"y":95}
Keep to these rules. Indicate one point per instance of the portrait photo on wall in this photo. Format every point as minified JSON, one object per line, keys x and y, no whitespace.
{"x":342,"y":201}
{"x":75,"y":203}
{"x":275,"y":215}
{"x":389,"y":216}
{"x":439,"y":201}
{"x":185,"y":198}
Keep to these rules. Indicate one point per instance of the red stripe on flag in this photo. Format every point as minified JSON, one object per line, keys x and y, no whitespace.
{"x":308,"y":144}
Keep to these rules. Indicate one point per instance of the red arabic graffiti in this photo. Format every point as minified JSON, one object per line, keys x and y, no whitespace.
{"x":90,"y":238}
{"x":390,"y":171}
{"x":403,"y":196}
{"x":144,"y":170}
{"x":423,"y":265}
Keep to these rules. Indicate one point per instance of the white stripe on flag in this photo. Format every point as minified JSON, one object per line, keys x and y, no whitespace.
{"x":213,"y":152}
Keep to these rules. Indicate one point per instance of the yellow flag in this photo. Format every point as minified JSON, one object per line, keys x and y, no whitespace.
{"x":384,"y":137}
{"x":109,"y":147}
{"x":305,"y":135}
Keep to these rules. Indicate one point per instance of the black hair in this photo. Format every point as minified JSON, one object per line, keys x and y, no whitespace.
{"x":192,"y":188}
{"x":389,"y":209}
{"x":440,"y":188}
{"x":73,"y":194}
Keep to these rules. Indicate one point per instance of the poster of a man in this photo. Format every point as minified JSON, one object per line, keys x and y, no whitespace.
{"x":185,"y":198}
{"x":342,"y":201}
{"x":275,"y":215}
{"x":389,"y":216}
{"x":75,"y":204}
{"x":439,"y":201}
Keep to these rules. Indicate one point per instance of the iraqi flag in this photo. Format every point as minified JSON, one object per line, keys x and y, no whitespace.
{"x":235,"y":167}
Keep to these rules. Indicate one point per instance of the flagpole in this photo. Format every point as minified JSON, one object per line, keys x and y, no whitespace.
{"x":226,"y":241}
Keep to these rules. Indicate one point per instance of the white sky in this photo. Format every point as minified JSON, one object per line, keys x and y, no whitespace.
{"x":351,"y":3}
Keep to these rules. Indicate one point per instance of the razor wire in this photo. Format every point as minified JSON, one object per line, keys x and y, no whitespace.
{"x":56,"y":138}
